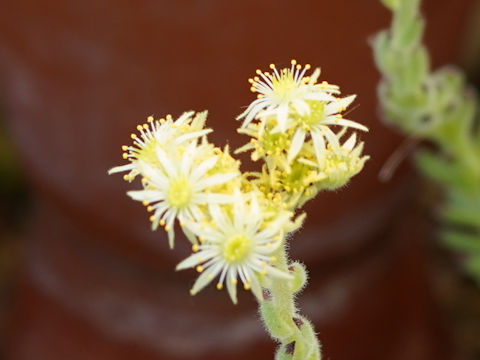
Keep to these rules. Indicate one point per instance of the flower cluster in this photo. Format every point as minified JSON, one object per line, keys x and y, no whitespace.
{"x":290,"y":125}
{"x":238,"y":223}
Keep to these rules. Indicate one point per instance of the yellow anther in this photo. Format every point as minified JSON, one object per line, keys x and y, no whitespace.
{"x":162,"y":121}
{"x":246,"y":286}
{"x":199,"y":268}
{"x":293,"y":62}
{"x":124,"y":147}
{"x":126,"y":177}
{"x":250,"y":81}
{"x":308,"y":66}
{"x":234,"y":281}
{"x":125,"y":156}
{"x":150,"y":119}
{"x":201,"y":239}
{"x":168,"y":117}
{"x":219,"y":286}
{"x":195,"y":247}
{"x":144,"y":202}
{"x":152,"y":218}
{"x":167,"y":228}
{"x":139,"y":127}
{"x":149,"y":208}
{"x":133,"y":136}
{"x":145,"y":126}
{"x":258,"y":71}
{"x":272,"y":66}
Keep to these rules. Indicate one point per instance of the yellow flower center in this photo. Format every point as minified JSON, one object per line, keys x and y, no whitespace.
{"x":316,"y":114}
{"x":148,"y":152}
{"x":179,"y":193}
{"x":283,"y":86}
{"x":236,"y":248}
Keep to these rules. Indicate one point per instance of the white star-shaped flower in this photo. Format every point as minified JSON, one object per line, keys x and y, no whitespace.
{"x":281,"y":91}
{"x":163,"y":133}
{"x":176,"y":185}
{"x":239,"y":245}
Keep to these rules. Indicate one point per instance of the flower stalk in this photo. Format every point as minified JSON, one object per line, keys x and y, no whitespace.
{"x":439,"y":107}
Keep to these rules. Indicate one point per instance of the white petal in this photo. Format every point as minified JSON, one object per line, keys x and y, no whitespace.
{"x":319,"y":146}
{"x":301,"y":106}
{"x":344,"y":122}
{"x":192,"y":135}
{"x":282,"y":116}
{"x":255,"y":286}
{"x":146,"y":195}
{"x":296,"y":145}
{"x":205,"y":278}
{"x":121,"y":168}
{"x":155,"y":176}
{"x":166,"y":162}
{"x":201,"y":169}
{"x":191,"y":261}
{"x":278,"y":273}
{"x":231,"y":287}
{"x":350,"y":143}
{"x":331,"y":137}
{"x":216,"y":180}
{"x":334,"y":106}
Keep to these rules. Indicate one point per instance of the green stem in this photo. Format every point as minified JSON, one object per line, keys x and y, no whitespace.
{"x":294,"y":333}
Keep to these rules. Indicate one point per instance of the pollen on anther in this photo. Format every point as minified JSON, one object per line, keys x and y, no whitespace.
{"x":293,"y":62}
{"x":199,"y":268}
{"x":150,"y":119}
{"x":195,"y":247}
{"x":219,"y":286}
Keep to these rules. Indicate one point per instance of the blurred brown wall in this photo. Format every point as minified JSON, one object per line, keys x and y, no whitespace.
{"x":96,"y":283}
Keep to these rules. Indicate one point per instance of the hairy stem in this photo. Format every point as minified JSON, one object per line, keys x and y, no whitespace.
{"x":294,"y":332}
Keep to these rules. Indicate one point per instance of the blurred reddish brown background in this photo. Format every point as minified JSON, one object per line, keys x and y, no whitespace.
{"x":94,"y":282}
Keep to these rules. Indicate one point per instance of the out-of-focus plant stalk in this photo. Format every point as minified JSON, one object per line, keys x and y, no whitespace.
{"x":440,"y":108}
